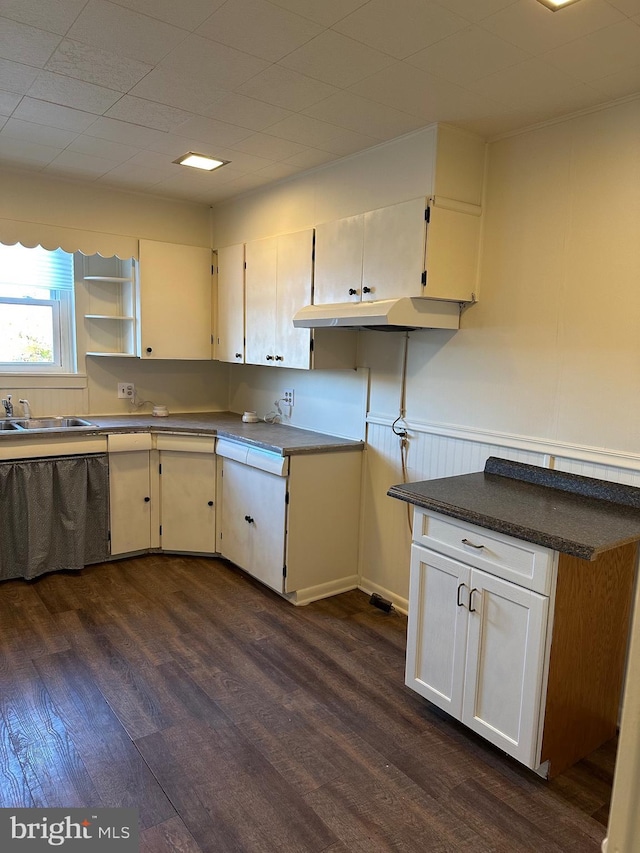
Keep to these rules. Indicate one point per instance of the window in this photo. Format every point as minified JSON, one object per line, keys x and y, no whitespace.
{"x":36,"y":310}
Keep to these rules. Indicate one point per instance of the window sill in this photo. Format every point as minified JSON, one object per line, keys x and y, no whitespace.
{"x":41,"y":380}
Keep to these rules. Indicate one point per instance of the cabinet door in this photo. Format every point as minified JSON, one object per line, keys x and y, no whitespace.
{"x":260,"y":282}
{"x":293,"y":291}
{"x":230,"y":313}
{"x":393,"y":258}
{"x":338,"y":269}
{"x":453,"y":244}
{"x":253,"y":521}
{"x":505,"y":658}
{"x":130,"y":501}
{"x":437,"y":628}
{"x":187,"y":496}
{"x":175,"y":301}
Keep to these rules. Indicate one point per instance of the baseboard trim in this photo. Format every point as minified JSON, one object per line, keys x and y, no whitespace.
{"x":324,"y":590}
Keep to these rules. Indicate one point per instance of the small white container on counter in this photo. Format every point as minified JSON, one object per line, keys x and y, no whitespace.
{"x":250,"y":418}
{"x":160,"y":412}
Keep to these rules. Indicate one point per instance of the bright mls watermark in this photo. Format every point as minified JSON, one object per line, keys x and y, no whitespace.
{"x":79,"y":830}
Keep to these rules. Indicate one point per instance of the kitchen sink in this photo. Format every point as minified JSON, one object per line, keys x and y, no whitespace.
{"x":46,"y":423}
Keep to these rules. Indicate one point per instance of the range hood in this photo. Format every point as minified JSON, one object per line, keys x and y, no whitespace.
{"x":392,"y":315}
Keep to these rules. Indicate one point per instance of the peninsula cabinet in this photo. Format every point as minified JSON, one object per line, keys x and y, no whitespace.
{"x":290,"y":522}
{"x":278,"y":282}
{"x":132,"y":494}
{"x":187,"y":469}
{"x":174,"y":301}
{"x":522,"y":644}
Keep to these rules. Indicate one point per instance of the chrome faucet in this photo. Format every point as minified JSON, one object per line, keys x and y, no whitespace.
{"x":26,"y":408}
{"x":8,"y":406}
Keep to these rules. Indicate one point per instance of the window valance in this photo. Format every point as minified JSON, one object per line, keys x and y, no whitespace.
{"x":70,"y":239}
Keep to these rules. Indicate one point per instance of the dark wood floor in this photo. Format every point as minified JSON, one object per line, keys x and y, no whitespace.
{"x":235,"y":722}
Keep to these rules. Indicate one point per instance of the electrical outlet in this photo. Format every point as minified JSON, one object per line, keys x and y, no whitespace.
{"x":287,"y":396}
{"x":126,"y":390}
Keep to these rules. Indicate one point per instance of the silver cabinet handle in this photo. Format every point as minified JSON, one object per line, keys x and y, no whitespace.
{"x":472,"y":544}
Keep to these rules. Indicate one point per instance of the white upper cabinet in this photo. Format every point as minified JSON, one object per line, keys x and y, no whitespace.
{"x":230,"y":305}
{"x":175,"y":301}
{"x":278,"y":281}
{"x":426,"y":246}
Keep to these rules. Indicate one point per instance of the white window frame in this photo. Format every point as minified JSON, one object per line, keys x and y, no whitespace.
{"x":64,"y":362}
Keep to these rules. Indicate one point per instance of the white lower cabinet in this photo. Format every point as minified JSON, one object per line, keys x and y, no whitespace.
{"x":476,"y":649}
{"x":131,"y":498}
{"x":522,"y":644}
{"x":253,"y":521}
{"x":291,"y":522}
{"x":187,"y":471}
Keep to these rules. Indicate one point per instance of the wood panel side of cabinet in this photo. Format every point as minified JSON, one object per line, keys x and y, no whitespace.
{"x":588,"y":651}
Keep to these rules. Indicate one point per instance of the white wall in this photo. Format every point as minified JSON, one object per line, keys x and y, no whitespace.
{"x":31,"y":198}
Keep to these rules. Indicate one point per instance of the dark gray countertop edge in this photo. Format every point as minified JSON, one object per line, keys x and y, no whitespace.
{"x":153,"y":424}
{"x":537,"y":537}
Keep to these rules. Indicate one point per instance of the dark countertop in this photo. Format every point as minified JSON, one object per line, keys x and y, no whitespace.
{"x":575,"y":515}
{"x":278,"y":438}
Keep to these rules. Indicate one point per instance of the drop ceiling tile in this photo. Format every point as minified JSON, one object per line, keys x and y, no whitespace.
{"x":124,"y":132}
{"x":536,"y":29}
{"x":147,"y":113}
{"x":242,"y":161}
{"x":3,"y":121}
{"x":326,"y":13}
{"x":92,"y":65}
{"x":8,"y":102}
{"x":74,"y":163}
{"x":272,"y":147}
{"x":55,"y":16}
{"x":246,"y":112}
{"x":364,"y":116}
{"x":400,"y":28}
{"x":15,"y":77}
{"x":311,"y":132}
{"x":599,"y":54}
{"x":18,"y":151}
{"x":211,"y":131}
{"x":42,"y":112}
{"x":107,"y":150}
{"x":26,"y":44}
{"x":68,"y":92}
{"x":503,"y":121}
{"x":415,"y":92}
{"x":277,"y":171}
{"x":311,"y":157}
{"x":476,"y":10}
{"x":187,"y":14}
{"x":216,"y":65}
{"x":38,"y":133}
{"x":619,"y":85}
{"x":129,"y":176}
{"x":161,"y":163}
{"x":468,"y":55}
{"x":184,"y":91}
{"x":271,"y":34}
{"x":125,"y":33}
{"x":286,"y":88}
{"x":627,"y":7}
{"x":535,"y":85}
{"x":336,"y":59}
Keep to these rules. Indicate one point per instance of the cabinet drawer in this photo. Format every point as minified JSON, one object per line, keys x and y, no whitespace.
{"x":513,"y":559}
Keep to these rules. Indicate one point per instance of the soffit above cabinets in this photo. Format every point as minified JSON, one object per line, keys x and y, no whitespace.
{"x":112,"y":92}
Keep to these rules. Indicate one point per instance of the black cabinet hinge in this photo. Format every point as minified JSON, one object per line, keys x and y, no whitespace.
{"x":313,"y":247}
{"x":424,"y":278}
{"x":160,"y":468}
{"x":213,"y":269}
{"x":108,"y":536}
{"x":160,"y":530}
{"x":427,"y":214}
{"x":284,"y":571}
{"x":311,"y":344}
{"x":245,"y":264}
{"x":286,"y":498}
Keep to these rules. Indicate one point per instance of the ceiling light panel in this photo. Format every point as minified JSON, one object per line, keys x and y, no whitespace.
{"x":555,"y":5}
{"x":200,"y":161}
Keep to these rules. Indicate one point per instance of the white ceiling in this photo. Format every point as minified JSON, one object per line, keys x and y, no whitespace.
{"x":112,"y":92}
